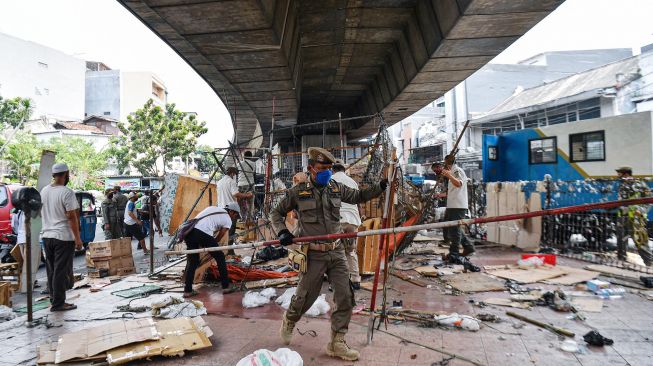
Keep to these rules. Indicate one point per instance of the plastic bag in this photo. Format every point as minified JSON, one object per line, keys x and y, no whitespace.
{"x":459,"y":321}
{"x":319,"y":307}
{"x":264,"y":357}
{"x":6,"y":313}
{"x":530,"y":262}
{"x":254,"y":299}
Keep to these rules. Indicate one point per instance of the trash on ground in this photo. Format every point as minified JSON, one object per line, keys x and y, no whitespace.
{"x":6,"y":313}
{"x":253,"y":299}
{"x":530,"y":262}
{"x":459,"y":321}
{"x":264,"y":357}
{"x":319,"y":307}
{"x":595,"y":338}
{"x":569,"y":346}
{"x":176,"y":307}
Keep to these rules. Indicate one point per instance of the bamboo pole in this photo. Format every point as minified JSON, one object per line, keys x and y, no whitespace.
{"x":434,"y":225}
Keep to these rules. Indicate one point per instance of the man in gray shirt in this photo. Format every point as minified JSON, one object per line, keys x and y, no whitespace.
{"x":60,"y":235}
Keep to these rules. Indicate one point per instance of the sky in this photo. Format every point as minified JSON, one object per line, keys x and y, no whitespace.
{"x":102,"y":30}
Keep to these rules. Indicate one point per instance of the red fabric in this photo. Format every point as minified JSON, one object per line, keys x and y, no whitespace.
{"x":238,"y":274}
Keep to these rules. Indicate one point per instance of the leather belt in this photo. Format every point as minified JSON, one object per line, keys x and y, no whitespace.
{"x":324,"y":247}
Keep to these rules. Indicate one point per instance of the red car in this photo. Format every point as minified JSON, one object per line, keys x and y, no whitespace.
{"x":5,"y":209}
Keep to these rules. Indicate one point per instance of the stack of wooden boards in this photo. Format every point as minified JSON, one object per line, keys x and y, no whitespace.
{"x":113,"y":256}
{"x":122,"y":341}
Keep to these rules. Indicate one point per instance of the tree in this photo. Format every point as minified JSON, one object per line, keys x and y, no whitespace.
{"x":85,"y":163}
{"x":205,"y":161}
{"x":155,"y":133}
{"x":15,"y":110}
{"x":23,"y":154}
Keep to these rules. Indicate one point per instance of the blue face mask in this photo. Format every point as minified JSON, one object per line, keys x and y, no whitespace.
{"x":322,"y":178}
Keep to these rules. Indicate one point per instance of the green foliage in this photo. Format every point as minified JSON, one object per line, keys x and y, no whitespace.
{"x":205,"y":161}
{"x":15,"y":110}
{"x":23,"y":154}
{"x":85,"y":163}
{"x":155,"y":133}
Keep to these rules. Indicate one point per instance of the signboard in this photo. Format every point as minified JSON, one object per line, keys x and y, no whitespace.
{"x":125,"y":183}
{"x":470,"y":165}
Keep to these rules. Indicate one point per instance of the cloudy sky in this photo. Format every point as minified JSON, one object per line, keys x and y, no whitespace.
{"x":103,"y":30}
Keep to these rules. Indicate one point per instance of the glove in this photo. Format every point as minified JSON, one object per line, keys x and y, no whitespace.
{"x":383,"y":184}
{"x":285,"y":237}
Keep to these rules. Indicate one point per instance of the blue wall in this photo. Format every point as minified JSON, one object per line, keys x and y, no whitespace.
{"x":513,"y":164}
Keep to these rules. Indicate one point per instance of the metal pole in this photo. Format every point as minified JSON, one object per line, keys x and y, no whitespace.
{"x":434,"y":225}
{"x":28,"y":254}
{"x":151,"y":229}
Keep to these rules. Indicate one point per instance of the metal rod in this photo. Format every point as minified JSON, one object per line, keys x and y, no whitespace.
{"x":151,"y":229}
{"x":434,"y":225}
{"x":28,"y":254}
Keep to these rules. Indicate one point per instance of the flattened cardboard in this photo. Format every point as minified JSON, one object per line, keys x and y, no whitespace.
{"x":588,"y":304}
{"x":175,"y":336}
{"x":574,"y":276}
{"x":530,"y":275}
{"x":427,"y":271}
{"x":507,"y":302}
{"x":92,"y":341}
{"x":474,"y":282}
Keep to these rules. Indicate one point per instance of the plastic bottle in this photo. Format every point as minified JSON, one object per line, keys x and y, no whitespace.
{"x":611,"y":293}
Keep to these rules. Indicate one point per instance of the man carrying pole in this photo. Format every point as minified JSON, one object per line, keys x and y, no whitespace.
{"x":318,"y":202}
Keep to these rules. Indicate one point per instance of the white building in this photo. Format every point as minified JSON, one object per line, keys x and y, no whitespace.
{"x":116,"y":94}
{"x":53,"y":80}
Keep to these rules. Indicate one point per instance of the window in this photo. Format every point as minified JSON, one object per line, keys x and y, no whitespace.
{"x":543,"y":151}
{"x":4,"y":196}
{"x":107,"y":113}
{"x":43,"y":65}
{"x":588,"y":146}
{"x":492,"y":153}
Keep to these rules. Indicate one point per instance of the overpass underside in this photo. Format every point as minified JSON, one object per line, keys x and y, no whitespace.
{"x":304,"y":61}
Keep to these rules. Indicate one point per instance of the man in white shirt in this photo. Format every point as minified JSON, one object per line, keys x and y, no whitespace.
{"x":213,"y":225}
{"x":60,"y":213}
{"x":134,"y":226}
{"x":350,"y":220}
{"x":228,"y":195}
{"x":456,"y":208}
{"x":246,"y":184}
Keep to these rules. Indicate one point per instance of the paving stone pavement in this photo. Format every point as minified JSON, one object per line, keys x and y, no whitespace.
{"x":239,"y":331}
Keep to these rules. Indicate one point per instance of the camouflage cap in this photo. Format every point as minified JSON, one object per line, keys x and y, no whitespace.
{"x":624,"y":169}
{"x":320,"y":155}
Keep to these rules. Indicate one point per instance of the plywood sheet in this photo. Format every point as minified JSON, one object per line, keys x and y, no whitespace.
{"x":573,"y":276}
{"x":188,"y":189}
{"x":92,"y":341}
{"x":530,"y":275}
{"x":474,"y":282}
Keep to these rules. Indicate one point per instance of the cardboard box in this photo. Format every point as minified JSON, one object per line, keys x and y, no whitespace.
{"x":110,"y":248}
{"x":114,"y":265}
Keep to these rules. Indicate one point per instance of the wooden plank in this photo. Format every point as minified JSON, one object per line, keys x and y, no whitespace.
{"x":409,"y":278}
{"x":507,"y":302}
{"x":273,"y":282}
{"x":474,"y":282}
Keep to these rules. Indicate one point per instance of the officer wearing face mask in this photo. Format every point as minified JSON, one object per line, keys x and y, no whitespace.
{"x":318,"y":202}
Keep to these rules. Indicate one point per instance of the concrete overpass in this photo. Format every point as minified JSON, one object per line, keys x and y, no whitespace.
{"x":319,"y":58}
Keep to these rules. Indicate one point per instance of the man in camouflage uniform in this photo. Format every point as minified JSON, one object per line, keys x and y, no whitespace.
{"x":318,"y":201}
{"x":120,"y":199}
{"x":633,"y":221}
{"x":110,"y":221}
